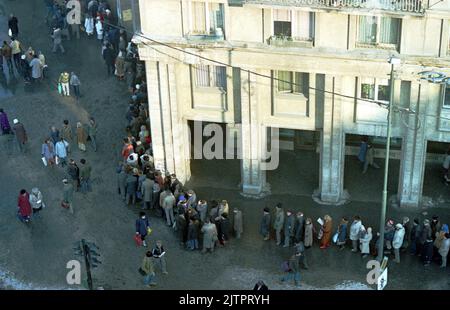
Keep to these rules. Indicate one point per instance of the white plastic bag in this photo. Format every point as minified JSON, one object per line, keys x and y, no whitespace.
{"x":10,"y":32}
{"x":57,"y":160}
{"x":44,"y":161}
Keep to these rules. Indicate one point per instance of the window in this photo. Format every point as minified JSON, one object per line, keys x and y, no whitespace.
{"x":298,"y":25}
{"x":211,"y":76}
{"x":293,"y":82}
{"x":446,"y":95}
{"x":207,"y":18}
{"x":374,"y":30}
{"x":375,"y":89}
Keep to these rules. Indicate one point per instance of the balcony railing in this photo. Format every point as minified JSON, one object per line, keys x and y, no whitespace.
{"x":412,"y":6}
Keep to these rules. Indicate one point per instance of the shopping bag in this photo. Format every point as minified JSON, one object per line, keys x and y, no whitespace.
{"x":138,"y":240}
{"x":60,"y":88}
{"x":149,"y":230}
{"x":10,"y":32}
{"x":335,"y":237}
{"x":44,"y":161}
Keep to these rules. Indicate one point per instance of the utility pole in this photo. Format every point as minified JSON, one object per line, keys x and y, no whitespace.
{"x":393,"y":61}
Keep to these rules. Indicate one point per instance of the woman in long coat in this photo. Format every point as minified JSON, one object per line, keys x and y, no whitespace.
{"x":120,"y":66}
{"x":23,"y":203}
{"x":342,"y":233}
{"x":209,"y":231}
{"x":366,"y":237}
{"x":81,"y":137}
{"x":4,"y":122}
{"x":326,"y":229}
{"x":89,"y":25}
{"x":309,"y":229}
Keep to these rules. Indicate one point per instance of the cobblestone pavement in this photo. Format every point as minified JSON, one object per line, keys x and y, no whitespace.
{"x":35,"y":256}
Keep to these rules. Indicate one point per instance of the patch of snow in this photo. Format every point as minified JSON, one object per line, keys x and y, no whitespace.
{"x":10,"y":282}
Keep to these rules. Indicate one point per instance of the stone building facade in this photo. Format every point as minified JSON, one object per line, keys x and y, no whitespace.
{"x":272,"y":61}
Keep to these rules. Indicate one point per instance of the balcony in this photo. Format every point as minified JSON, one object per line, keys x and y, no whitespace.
{"x":287,"y":41}
{"x":399,"y":6}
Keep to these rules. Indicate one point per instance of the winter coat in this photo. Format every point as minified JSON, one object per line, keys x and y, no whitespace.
{"x":425,"y":235}
{"x":327,"y":228}
{"x":142,"y":225}
{"x":192,"y":231}
{"x":289,"y":226}
{"x":168,"y":202}
{"x":54,"y":135}
{"x":389,"y":233}
{"x":68,"y":192}
{"x":20,"y":132}
{"x":131,"y":184}
{"x":85,"y":172}
{"x":120,"y":66}
{"x":265,"y":225}
{"x":308,"y":235}
{"x":225,"y":227}
{"x":34,"y":200}
{"x":66,"y":133}
{"x":147,"y":190}
{"x":445,"y":245}
{"x":279,"y":220}
{"x":202,"y":209}
{"x":73,"y":171}
{"x":24,"y":205}
{"x":81,"y":135}
{"x":355,"y":228}
{"x":147,"y":265}
{"x":398,"y":238}
{"x":294,"y":263}
{"x":365,"y":242}
{"x":48,"y":150}
{"x":299,"y":228}
{"x":209,"y":235}
{"x":237,"y":222}
{"x":342,"y":233}
{"x":99,"y":29}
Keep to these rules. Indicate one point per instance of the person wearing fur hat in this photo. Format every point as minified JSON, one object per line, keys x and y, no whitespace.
{"x":397,"y":242}
{"x":36,"y":201}
{"x":278,"y":222}
{"x":264,"y":228}
{"x":21,"y":134}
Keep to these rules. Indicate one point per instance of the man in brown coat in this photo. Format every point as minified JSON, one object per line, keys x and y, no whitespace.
{"x":21,"y":134}
{"x":7,"y":53}
{"x":66,"y":133}
{"x":81,"y":137}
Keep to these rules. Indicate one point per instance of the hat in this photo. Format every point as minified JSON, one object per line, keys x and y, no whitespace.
{"x":35,"y":190}
{"x":138,"y":86}
{"x":399,"y":226}
{"x":266,"y":210}
{"x":15,"y":121}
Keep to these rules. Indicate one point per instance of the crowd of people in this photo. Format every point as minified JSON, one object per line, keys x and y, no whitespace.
{"x":429,"y":239}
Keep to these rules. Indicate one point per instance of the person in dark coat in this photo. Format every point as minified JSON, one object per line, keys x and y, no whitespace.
{"x":181,"y":227}
{"x":342,"y":233}
{"x":142,"y":226}
{"x":21,"y":134}
{"x":224,"y":228}
{"x":288,"y":228}
{"x":13,"y":24}
{"x":24,"y":206}
{"x":414,"y":237}
{"x":435,"y":226}
{"x":426,"y":241}
{"x":300,"y":249}
{"x":5,"y":127}
{"x":264,"y":228}
{"x":110,"y":59}
{"x":74,"y":172}
{"x":192,"y":236}
{"x":299,"y":227}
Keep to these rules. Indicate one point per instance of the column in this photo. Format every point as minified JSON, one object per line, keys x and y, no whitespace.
{"x":332,"y":149}
{"x":170,"y":135}
{"x":253,"y":140}
{"x":414,"y":149}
